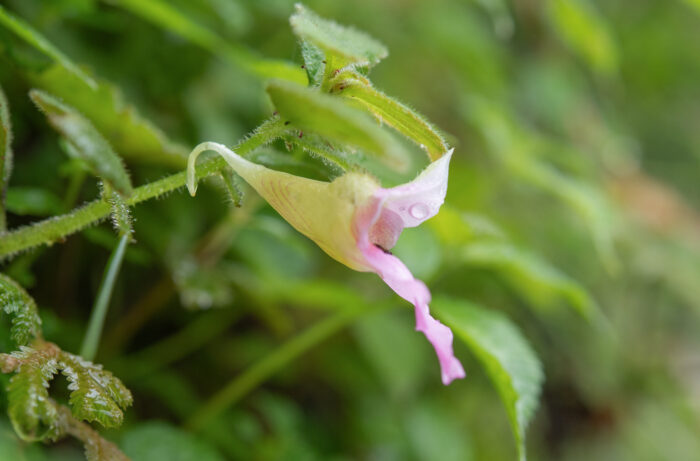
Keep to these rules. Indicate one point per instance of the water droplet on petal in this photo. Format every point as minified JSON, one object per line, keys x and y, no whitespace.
{"x":419,"y":211}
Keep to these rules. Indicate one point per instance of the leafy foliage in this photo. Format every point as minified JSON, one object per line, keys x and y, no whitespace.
{"x":16,"y":302}
{"x":34,"y":38}
{"x":510,"y":362}
{"x":133,"y":136}
{"x":158,"y":441}
{"x":516,"y":148}
{"x":96,"y":395}
{"x":327,"y":116}
{"x":573,"y":122}
{"x":477,"y":242}
{"x":32,"y":413}
{"x":537,"y":280}
{"x":343,"y":45}
{"x":86,"y":141}
{"x":399,"y":116}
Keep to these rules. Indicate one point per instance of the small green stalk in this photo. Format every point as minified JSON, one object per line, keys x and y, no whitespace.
{"x":99,"y":311}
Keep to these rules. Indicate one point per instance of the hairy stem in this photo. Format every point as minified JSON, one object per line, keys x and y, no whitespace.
{"x":55,"y":229}
{"x":99,"y":311}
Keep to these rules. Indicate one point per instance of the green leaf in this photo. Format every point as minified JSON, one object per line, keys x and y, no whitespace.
{"x":5,"y":154}
{"x":32,"y":413}
{"x":328,"y":116}
{"x":583,"y":29}
{"x":164,"y":15}
{"x":314,"y":62}
{"x":582,"y":197}
{"x":14,"y":301}
{"x":516,"y":148}
{"x":343,"y":45}
{"x":157,"y":441}
{"x":507,"y":357}
{"x":134,"y":137}
{"x":88,"y":143}
{"x":96,"y":394}
{"x":33,"y":201}
{"x":34,"y":38}
{"x":533,"y":277}
{"x":399,"y":116}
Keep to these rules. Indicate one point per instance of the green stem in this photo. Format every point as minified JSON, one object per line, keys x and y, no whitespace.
{"x":253,"y":376}
{"x":54,"y":229}
{"x":99,"y":311}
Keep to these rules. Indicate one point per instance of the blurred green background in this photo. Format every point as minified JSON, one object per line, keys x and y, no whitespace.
{"x":574,"y":191}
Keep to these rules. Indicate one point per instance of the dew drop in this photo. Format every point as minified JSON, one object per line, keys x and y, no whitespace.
{"x":419,"y":210}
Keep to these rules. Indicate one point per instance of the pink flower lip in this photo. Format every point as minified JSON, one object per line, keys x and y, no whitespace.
{"x":378,"y":226}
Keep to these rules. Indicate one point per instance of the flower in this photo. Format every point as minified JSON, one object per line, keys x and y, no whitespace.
{"x":357,"y":222}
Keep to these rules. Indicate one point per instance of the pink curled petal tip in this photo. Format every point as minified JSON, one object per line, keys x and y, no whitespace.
{"x":440,"y":336}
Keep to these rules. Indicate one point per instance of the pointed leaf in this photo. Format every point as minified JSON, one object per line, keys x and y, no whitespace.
{"x":127,"y":130}
{"x":38,"y":41}
{"x":345,"y":44}
{"x":87,"y":141}
{"x":399,"y":116}
{"x":533,"y":277}
{"x":32,"y":413}
{"x":509,"y":360}
{"x":314,"y":62}
{"x":96,"y":395}
{"x":14,"y":301}
{"x":328,"y":116}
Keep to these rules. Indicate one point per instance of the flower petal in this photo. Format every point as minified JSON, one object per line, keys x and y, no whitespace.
{"x":395,"y":274}
{"x":440,"y":337}
{"x":421,"y":198}
{"x":320,"y":210}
